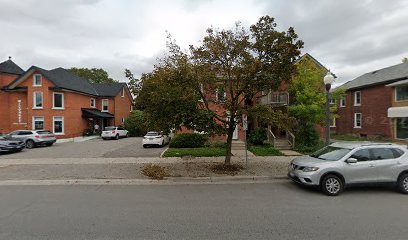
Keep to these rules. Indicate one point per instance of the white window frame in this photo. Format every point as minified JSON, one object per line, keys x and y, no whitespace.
{"x":396,"y":95}
{"x":333,"y":123}
{"x":35,"y":103}
{"x":34,"y":80}
{"x":123,"y":91}
{"x":123,"y":120}
{"x":33,"y":122}
{"x":342,"y":102}
{"x":131,"y":108}
{"x":62,"y":100}
{"x":355,"y":98}
{"x":216,"y":96}
{"x":355,"y":120}
{"x":63,"y":125}
{"x":107,"y":105}
{"x":332,"y":101}
{"x":93,"y":102}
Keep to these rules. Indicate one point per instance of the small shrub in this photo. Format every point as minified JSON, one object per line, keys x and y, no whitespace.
{"x":257,"y":137}
{"x":87,"y":132}
{"x":188,"y":140}
{"x":155,"y":172}
{"x":306,"y":135}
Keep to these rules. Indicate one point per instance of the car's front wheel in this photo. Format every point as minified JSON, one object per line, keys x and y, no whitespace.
{"x":403,"y":183}
{"x":331,"y":185}
{"x":29,"y":144}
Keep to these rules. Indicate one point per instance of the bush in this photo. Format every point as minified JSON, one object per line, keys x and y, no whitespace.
{"x":87,"y":132}
{"x":135,"y":124}
{"x":306,"y":135}
{"x":188,"y":140}
{"x":155,"y":172}
{"x":257,"y":137}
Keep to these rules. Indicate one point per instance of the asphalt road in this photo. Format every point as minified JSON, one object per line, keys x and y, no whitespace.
{"x":278,"y":210}
{"x":125,"y":147}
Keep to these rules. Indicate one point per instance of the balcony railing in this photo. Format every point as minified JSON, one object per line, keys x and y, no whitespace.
{"x":275,"y":98}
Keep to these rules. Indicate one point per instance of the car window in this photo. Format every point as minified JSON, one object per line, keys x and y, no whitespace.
{"x":382,"y":153}
{"x":331,"y":153}
{"x":44,"y":132}
{"x":110,"y":128}
{"x":25,"y":133}
{"x":119,"y":128}
{"x":397,"y":152}
{"x":361,"y":155}
{"x":13,"y":133}
{"x":152,"y":134}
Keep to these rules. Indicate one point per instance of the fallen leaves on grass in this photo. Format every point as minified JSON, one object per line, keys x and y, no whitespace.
{"x":155,"y":172}
{"x":229,"y":169}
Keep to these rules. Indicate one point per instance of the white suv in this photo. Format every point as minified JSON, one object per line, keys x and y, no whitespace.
{"x":114,"y":133}
{"x":342,"y":164}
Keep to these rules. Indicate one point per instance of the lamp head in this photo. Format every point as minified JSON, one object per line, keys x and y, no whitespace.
{"x":328,"y":79}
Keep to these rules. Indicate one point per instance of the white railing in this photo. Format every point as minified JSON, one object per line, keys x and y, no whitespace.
{"x":271,"y":136}
{"x":275,"y":98}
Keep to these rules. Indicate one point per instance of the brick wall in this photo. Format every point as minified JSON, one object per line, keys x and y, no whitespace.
{"x":375,"y":102}
{"x":122,"y":107}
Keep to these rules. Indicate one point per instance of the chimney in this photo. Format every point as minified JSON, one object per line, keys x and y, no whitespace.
{"x":9,"y":57}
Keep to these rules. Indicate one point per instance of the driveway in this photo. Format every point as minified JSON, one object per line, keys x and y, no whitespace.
{"x":96,"y":148}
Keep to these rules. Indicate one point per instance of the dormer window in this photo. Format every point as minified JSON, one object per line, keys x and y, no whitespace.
{"x":123,"y":92}
{"x":37,"y":80}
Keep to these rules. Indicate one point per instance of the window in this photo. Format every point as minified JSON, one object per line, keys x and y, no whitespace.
{"x":361,"y":155}
{"x":38,"y":123}
{"x":357,"y":98}
{"x":401,"y":128}
{"x":220,"y":95}
{"x":131,"y":108}
{"x":105,"y":105}
{"x":58,"y":101}
{"x":357,"y":120}
{"x":332,"y":101}
{"x":123,"y":121}
{"x":343,"y":102}
{"x":37,"y":80}
{"x":333,"y":123}
{"x":38,"y":100}
{"x":382,"y":153}
{"x":93,"y":103}
{"x":401,"y":93}
{"x":58,"y":125}
{"x":24,"y":133}
{"x":123,"y":92}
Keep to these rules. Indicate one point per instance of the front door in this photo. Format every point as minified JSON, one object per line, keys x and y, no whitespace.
{"x":235,"y":134}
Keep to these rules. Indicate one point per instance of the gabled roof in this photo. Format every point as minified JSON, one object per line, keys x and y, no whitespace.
{"x":380,"y":76}
{"x":67,"y":80}
{"x":108,"y":89}
{"x":10,"y":67}
{"x":313,"y":59}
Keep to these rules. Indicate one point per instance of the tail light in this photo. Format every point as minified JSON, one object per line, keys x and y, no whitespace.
{"x":113,"y":131}
{"x":37,"y":136}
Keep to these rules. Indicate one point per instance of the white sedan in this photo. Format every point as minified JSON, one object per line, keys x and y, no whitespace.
{"x":155,"y":139}
{"x":114,"y":133}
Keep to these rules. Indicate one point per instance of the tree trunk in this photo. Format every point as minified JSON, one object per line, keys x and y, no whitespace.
{"x":231,"y":128}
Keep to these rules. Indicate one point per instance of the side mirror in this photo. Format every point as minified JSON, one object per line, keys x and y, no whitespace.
{"x":351,"y":160}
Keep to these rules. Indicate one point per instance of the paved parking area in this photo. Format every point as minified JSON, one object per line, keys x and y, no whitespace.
{"x":96,"y":148}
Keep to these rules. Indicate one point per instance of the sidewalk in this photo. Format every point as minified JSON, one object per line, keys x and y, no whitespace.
{"x":130,"y":169}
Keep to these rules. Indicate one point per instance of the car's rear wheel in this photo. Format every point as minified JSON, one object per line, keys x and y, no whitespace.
{"x":403,"y":183}
{"x":331,"y":185}
{"x":29,"y":144}
{"x":117,"y":137}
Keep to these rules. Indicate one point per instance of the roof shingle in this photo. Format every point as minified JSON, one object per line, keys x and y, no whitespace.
{"x":10,"y":67}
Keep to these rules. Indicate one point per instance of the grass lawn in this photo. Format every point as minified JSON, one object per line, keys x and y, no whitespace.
{"x":196,"y":152}
{"x":265,"y":150}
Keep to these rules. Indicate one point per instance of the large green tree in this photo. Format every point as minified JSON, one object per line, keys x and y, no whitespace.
{"x":93,"y":75}
{"x":225,"y":69}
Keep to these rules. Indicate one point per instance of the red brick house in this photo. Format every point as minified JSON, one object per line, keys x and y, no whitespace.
{"x":364,"y":110}
{"x":59,"y":101}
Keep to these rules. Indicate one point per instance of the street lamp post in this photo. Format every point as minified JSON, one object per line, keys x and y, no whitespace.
{"x":328,"y":80}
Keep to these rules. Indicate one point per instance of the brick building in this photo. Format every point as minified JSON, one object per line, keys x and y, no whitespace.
{"x":59,"y":101}
{"x":364,"y":110}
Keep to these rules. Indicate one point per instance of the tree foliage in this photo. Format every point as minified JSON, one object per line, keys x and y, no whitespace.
{"x":135,"y":85}
{"x":135,"y":124}
{"x":185,"y":87}
{"x":93,"y":75}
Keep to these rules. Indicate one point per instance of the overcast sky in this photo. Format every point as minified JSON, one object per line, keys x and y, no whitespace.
{"x":350,"y":37}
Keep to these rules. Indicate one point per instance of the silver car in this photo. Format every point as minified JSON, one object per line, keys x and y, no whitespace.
{"x":33,"y":138}
{"x":346,"y":163}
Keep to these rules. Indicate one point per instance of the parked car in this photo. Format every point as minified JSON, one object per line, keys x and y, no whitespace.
{"x":155,"y":139}
{"x":113,"y":132}
{"x":7,"y":145}
{"x":33,"y":138}
{"x":344,"y":164}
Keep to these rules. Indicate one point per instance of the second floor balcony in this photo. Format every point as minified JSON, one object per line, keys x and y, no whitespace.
{"x":274,"y":98}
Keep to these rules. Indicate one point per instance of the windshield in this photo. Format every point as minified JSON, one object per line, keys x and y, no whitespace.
{"x":152,"y":134}
{"x":110,"y":128}
{"x":330,"y":153}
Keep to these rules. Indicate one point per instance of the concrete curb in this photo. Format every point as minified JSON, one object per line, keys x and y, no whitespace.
{"x":166,"y":181}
